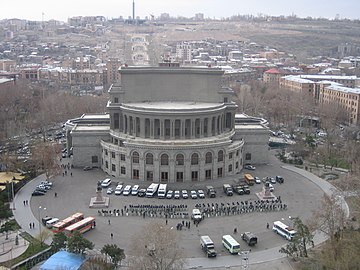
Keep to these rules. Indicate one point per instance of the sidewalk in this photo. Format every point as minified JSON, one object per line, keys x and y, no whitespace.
{"x":8,"y":248}
{"x":23,"y":216}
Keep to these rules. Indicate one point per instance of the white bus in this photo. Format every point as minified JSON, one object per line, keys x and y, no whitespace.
{"x":151,"y":190}
{"x":230,"y":244}
{"x":161,"y":193}
{"x":284,"y":230}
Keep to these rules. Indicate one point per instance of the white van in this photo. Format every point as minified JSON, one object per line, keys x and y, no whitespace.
{"x":106,"y":182}
{"x":127,"y":190}
{"x":196,"y":214}
{"x":51,"y":222}
{"x":135,"y":190}
{"x":162,"y":191}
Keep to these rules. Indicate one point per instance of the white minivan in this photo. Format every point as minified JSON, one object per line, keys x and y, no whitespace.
{"x":51,"y":222}
{"x":127,"y":190}
{"x":106,"y":182}
{"x":135,"y":190}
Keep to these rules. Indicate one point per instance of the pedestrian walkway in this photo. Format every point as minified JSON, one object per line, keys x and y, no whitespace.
{"x":24,"y":216}
{"x":11,"y":248}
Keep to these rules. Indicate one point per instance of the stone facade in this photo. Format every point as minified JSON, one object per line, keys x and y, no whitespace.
{"x":170,"y":125}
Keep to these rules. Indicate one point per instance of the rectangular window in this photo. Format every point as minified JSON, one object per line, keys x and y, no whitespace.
{"x":122,"y":170}
{"x":113,"y":167}
{"x":194,"y":176}
{"x":94,"y":159}
{"x":106,"y":164}
{"x":135,"y":174}
{"x":116,"y":141}
{"x":122,"y":157}
{"x":164,"y":176}
{"x":113,"y":154}
{"x":207,"y":174}
{"x":106,"y":152}
{"x":179,"y":176}
{"x":220,"y":172}
{"x":230,"y":155}
{"x":149,"y":176}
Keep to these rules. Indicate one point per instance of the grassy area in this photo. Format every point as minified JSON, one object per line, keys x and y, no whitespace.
{"x":33,"y":248}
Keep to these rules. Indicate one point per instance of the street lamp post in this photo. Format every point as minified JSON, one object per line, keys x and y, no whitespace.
{"x":40,"y":208}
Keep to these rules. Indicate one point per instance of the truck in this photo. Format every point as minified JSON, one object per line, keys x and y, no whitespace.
{"x":161,"y":193}
{"x":207,"y":245}
{"x":151,"y":190}
{"x":210,"y":191}
{"x":249,"y":238}
{"x":228,"y":189}
{"x":249,"y":179}
{"x":238,"y":189}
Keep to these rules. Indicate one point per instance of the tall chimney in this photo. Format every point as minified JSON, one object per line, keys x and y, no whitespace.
{"x":134,"y":10}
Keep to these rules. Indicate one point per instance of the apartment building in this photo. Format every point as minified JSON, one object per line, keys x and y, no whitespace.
{"x":183,"y":51}
{"x":330,"y":90}
{"x":345,"y":97}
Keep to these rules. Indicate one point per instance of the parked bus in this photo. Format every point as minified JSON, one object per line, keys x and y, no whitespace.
{"x":61,"y":225}
{"x":82,"y":226}
{"x":162,"y":191}
{"x":151,"y":190}
{"x":284,"y":230}
{"x":249,"y":179}
{"x":231,"y":244}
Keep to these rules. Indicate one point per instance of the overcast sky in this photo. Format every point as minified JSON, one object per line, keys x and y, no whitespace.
{"x":63,"y":9}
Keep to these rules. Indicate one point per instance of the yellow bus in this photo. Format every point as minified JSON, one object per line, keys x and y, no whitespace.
{"x":249,"y":179}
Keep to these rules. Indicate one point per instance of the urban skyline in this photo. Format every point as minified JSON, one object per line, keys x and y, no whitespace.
{"x":42,"y":10}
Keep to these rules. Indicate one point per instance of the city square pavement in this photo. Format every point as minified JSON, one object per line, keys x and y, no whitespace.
{"x":302,"y":192}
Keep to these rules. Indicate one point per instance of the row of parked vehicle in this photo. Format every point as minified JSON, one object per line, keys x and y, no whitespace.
{"x":42,"y":188}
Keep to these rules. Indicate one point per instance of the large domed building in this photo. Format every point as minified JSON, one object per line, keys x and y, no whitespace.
{"x":169,"y":124}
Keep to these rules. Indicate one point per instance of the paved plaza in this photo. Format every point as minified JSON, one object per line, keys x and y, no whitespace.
{"x":301,"y":191}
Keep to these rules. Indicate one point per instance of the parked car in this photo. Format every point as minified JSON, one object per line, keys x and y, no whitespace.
{"x":184,"y":194}
{"x":257,"y":180}
{"x":46,"y":183}
{"x":127,"y":190}
{"x":37,"y":193}
{"x":169,"y":194}
{"x":118,"y":189}
{"x":135,"y":190}
{"x":106,"y":182}
{"x":271,"y":187}
{"x":279,"y":179}
{"x":141,"y":192}
{"x":272,"y":180}
{"x":109,"y":190}
{"x":250,"y":167}
{"x":201,"y":194}
{"x":176,"y":194}
{"x":193,"y":194}
{"x":87,"y":168}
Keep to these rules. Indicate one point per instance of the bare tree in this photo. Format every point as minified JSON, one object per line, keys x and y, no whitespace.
{"x":156,"y":247}
{"x":330,"y":219}
{"x":46,"y":158}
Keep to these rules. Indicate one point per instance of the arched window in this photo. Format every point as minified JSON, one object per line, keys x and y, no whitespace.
{"x":135,"y":157}
{"x":194,"y":159}
{"x":149,"y":159}
{"x":179,"y":159}
{"x":220,"y":156}
{"x":164,"y":159}
{"x":208,"y":157}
